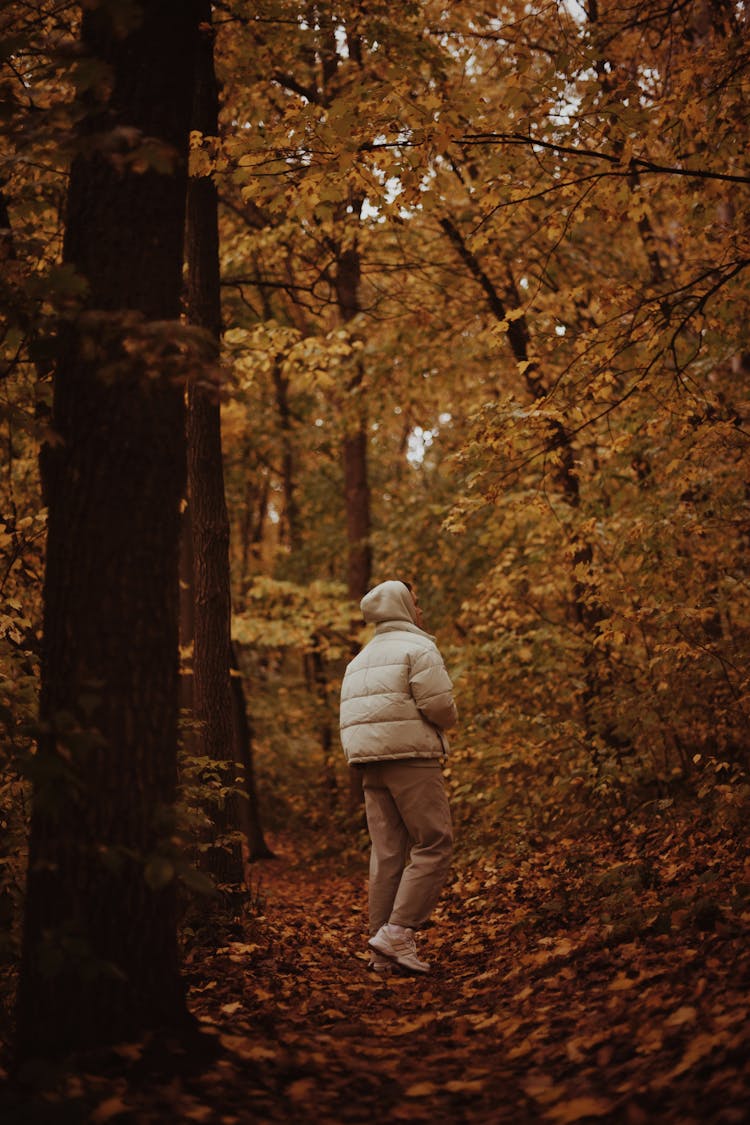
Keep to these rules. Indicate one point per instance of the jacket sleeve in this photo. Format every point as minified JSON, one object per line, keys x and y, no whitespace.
{"x":432,"y":689}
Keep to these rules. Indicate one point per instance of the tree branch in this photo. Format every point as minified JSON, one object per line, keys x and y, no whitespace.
{"x":289,"y":82}
{"x":635,"y":164}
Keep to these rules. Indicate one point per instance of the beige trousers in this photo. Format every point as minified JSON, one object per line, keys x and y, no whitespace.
{"x":412,"y":840}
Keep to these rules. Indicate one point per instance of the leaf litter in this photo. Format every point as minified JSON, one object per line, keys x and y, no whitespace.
{"x":591,"y":980}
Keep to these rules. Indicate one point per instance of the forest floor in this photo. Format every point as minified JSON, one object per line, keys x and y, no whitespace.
{"x":601,"y":978}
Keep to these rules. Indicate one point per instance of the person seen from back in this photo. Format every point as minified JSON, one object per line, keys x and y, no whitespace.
{"x":396,"y":703}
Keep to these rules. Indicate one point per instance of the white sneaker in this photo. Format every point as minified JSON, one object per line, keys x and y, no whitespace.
{"x":399,"y":947}
{"x":379,"y":964}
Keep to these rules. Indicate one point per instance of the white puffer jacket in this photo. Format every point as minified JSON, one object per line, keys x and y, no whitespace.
{"x":396,"y":698}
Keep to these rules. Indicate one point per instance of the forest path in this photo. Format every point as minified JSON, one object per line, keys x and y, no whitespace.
{"x":600,"y":986}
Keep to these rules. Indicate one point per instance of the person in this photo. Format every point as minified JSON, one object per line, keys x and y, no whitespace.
{"x":396,"y":703}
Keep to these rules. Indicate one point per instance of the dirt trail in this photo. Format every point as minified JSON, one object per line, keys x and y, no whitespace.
{"x":525,"y":1017}
{"x":587,"y":980}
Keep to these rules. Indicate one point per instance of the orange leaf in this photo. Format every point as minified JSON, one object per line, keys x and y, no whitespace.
{"x":420,"y":1090}
{"x":578,"y":1108}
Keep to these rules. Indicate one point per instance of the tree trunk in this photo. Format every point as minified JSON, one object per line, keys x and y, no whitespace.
{"x":354,"y":451}
{"x":356,"y":484}
{"x":215,"y":708}
{"x":243,"y":741}
{"x":357,"y":493}
{"x":317,"y":676}
{"x":291,"y":507}
{"x":187,"y":628}
{"x":212,"y":698}
{"x":100,"y":959}
{"x":252,"y":529}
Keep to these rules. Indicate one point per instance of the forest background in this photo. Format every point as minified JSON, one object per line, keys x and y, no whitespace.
{"x":484,"y":325}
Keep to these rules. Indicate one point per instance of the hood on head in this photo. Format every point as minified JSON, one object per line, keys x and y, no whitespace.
{"x":390,"y":601}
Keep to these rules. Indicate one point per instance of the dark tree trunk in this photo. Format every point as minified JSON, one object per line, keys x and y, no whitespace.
{"x":243,"y":741}
{"x":7,"y":245}
{"x":291,"y":507}
{"x":253,"y":527}
{"x":354,"y":452}
{"x":328,"y":743}
{"x":187,"y":627}
{"x":212,"y":700}
{"x":214,"y":707}
{"x":100,"y":959}
{"x":356,"y":484}
{"x":357,"y":493}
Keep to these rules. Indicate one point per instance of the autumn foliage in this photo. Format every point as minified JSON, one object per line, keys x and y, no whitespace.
{"x":484,"y":294}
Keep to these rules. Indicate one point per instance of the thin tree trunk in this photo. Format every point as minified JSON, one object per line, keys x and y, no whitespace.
{"x":356,"y":483}
{"x":187,"y":626}
{"x":214,"y":688}
{"x":100,"y":960}
{"x":291,"y":507}
{"x":358,"y":525}
{"x":318,"y":681}
{"x":206,"y":499}
{"x":243,"y":737}
{"x":354,"y":450}
{"x":253,"y":526}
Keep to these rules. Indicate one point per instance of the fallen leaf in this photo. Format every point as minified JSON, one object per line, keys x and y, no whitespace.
{"x":681,"y":1016}
{"x":420,"y":1090}
{"x":197,"y":1113}
{"x":577,"y":1109}
{"x":246,"y":1048}
{"x":622,"y":982}
{"x":108,"y":1109}
{"x":406,"y":1027}
{"x":301,"y":1089}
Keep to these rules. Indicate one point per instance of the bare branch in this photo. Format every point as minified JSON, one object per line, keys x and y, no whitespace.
{"x":635,"y":164}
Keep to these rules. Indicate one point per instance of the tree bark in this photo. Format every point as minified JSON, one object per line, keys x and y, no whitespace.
{"x":291,"y":507}
{"x":212,"y":701}
{"x":100,"y":959}
{"x":354,"y":457}
{"x":215,"y":707}
{"x":250,"y":817}
{"x":354,"y":451}
{"x":358,"y":526}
